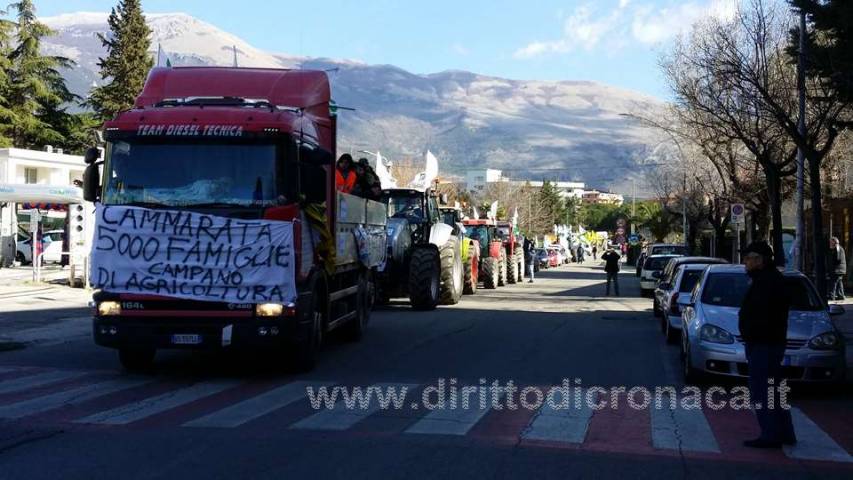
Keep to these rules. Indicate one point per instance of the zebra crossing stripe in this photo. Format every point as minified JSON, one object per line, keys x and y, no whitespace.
{"x":451,"y":421}
{"x":812,"y":442}
{"x":70,"y":397}
{"x":37,"y":380}
{"x":145,"y":408}
{"x":682,"y":429}
{"x":340,"y":417}
{"x":567,"y":425}
{"x":256,"y":407}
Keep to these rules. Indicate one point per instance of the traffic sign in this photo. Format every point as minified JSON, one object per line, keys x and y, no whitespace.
{"x":738,"y":213}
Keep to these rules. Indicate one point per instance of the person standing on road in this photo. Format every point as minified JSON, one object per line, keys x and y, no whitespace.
{"x":529,"y":258}
{"x":595,"y":252}
{"x":611,"y":267}
{"x":580,"y":254}
{"x":837,"y":269}
{"x":763,"y":325}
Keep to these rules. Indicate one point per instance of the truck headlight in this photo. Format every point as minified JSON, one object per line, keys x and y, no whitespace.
{"x":825,"y":341}
{"x":269,"y":309}
{"x":715,"y":334}
{"x":109,"y":308}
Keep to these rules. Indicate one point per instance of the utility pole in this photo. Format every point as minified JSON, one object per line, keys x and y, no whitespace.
{"x":799,"y":242}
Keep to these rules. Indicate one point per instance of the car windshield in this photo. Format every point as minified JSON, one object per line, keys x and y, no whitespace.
{"x":669,"y":250}
{"x":725,"y":289}
{"x":190,"y":174}
{"x":688,"y":280}
{"x":656,"y":263}
{"x":728,"y":290}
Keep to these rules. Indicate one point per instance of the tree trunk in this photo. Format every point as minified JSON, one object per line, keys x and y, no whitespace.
{"x":817,"y":230}
{"x":774,"y":191}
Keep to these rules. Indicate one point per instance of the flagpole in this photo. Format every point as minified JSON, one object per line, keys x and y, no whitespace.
{"x":159,"y":53}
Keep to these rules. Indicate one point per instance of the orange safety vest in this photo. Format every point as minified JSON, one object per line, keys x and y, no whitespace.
{"x":344,"y":184}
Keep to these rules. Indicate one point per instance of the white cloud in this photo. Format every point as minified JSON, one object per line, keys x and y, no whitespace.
{"x":651,"y":25}
{"x":590,"y":29}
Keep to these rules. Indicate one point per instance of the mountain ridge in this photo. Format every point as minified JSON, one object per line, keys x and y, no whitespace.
{"x":566,"y":130}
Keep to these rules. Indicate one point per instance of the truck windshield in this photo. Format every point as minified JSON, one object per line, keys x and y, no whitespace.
{"x":181,"y":175}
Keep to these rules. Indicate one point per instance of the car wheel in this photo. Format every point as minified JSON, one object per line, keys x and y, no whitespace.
{"x":656,"y":309}
{"x":692,"y":376}
{"x":20,"y":258}
{"x":671,"y":333}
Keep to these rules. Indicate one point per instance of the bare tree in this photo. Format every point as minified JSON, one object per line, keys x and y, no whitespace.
{"x":720,"y":75}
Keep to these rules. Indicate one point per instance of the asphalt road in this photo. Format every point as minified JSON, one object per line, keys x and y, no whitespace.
{"x":67,"y":410}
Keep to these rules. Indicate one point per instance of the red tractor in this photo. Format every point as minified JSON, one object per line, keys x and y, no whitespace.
{"x":492,"y":268}
{"x":513,"y":249}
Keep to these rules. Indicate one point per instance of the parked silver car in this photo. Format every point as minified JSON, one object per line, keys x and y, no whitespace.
{"x":672,"y":299}
{"x":711,"y":342}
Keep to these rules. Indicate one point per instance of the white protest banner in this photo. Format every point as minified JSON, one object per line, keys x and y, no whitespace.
{"x":193,"y":256}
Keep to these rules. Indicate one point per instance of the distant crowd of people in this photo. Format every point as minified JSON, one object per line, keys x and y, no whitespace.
{"x":357,"y":178}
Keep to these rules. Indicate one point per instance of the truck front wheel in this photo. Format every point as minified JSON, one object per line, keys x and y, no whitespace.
{"x":424,"y":280}
{"x":304,"y":352}
{"x":136,"y":359}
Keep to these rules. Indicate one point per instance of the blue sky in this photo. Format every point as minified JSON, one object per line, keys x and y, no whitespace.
{"x":617,"y":42}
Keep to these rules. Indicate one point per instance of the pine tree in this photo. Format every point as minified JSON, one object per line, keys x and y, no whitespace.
{"x":127,"y":62}
{"x":6,"y":114}
{"x":37,"y":90}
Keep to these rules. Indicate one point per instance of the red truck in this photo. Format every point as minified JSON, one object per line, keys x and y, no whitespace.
{"x":219,"y":225}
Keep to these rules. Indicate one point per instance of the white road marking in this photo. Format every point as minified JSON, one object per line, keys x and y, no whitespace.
{"x":33,"y":381}
{"x":453,"y":421}
{"x":256,"y":407}
{"x":560,"y":424}
{"x":340,"y":417}
{"x":135,"y":411}
{"x":682,"y":429}
{"x":70,"y":397}
{"x":813,"y":443}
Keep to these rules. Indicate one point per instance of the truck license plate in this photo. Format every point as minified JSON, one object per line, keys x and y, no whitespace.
{"x":184,"y":339}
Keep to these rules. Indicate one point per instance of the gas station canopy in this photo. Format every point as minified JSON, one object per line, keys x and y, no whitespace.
{"x":40,"y":194}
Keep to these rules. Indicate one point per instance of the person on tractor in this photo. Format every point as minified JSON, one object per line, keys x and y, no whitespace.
{"x":345,"y":176}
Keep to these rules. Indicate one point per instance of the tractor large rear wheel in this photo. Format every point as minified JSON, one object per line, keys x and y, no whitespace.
{"x":502,"y":274}
{"x":511,"y":269}
{"x":491,"y":273}
{"x":424,"y":278}
{"x":451,"y":272}
{"x":471,"y":273}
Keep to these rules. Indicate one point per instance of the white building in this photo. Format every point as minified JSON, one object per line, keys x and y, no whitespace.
{"x":476,"y":180}
{"x":48,"y":168}
{"x":598,"y":197}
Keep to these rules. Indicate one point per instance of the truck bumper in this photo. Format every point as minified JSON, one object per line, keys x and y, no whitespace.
{"x":205,"y":333}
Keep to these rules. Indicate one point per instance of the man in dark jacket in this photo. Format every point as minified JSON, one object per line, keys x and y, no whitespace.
{"x":529,"y":258}
{"x":611,"y":267}
{"x":763,"y":325}
{"x":837,"y":269}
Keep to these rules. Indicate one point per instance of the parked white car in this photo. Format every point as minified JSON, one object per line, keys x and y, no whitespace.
{"x":53,"y":248}
{"x":652,"y":268}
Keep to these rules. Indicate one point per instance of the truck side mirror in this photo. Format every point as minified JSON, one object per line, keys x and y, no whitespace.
{"x":91,"y":183}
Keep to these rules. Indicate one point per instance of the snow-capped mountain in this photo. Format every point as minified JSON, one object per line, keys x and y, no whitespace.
{"x":532,"y":129}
